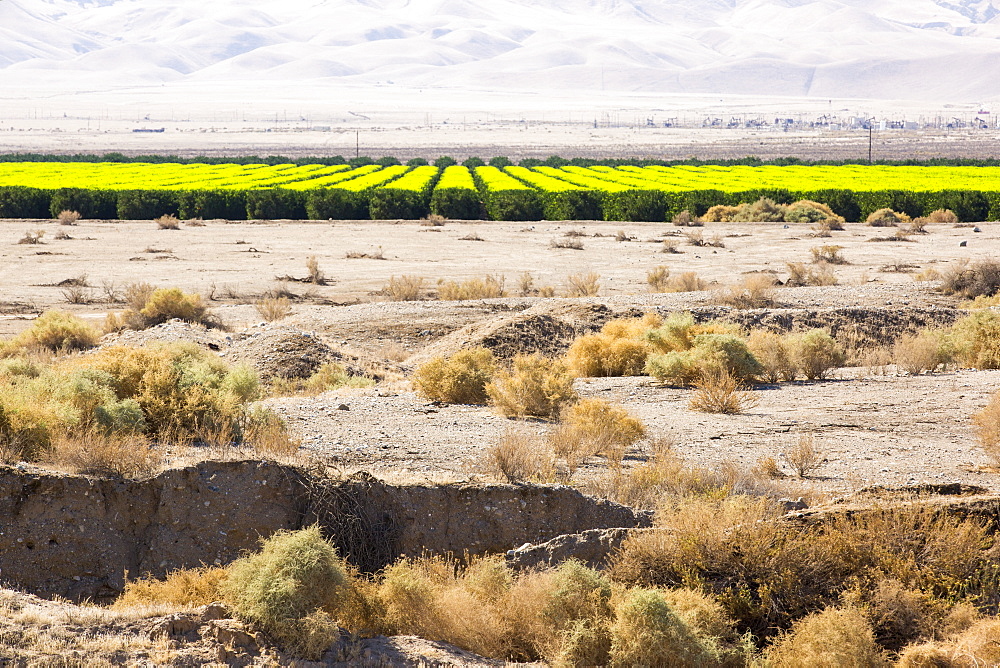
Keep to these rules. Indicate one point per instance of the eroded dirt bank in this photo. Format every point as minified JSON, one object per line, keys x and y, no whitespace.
{"x":77,"y":537}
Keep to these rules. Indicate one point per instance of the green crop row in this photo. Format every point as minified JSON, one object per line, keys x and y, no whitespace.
{"x":625,"y":193}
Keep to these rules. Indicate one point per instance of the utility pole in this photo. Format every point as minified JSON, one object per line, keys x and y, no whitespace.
{"x":871,"y":130}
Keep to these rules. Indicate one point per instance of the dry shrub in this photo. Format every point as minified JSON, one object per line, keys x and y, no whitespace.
{"x":768,"y":573}
{"x":808,"y":211}
{"x":67,"y":217}
{"x":273,"y":308}
{"x":832,"y":638}
{"x":804,"y":457}
{"x":987,"y":424}
{"x":572,"y":244}
{"x":533,"y":386}
{"x":583,"y":284}
{"x":829,"y":254}
{"x":459,"y":379}
{"x":707,"y":354}
{"x":717,"y":391}
{"x":313,"y":272}
{"x":32,"y":237}
{"x":763,"y":210}
{"x":434,"y":598}
{"x":754,"y":291}
{"x":945,"y":216}
{"x":167,"y":222}
{"x":689,"y":281}
{"x":597,"y":427}
{"x":281,"y":590}
{"x":772,"y":351}
{"x":685,"y":219}
{"x":699,"y":240}
{"x":924,"y":351}
{"x":403,"y":288}
{"x":488,"y":287}
{"x":185,"y":587}
{"x":618,"y":350}
{"x":975,"y":340}
{"x":899,"y":615}
{"x":519,"y":456}
{"x":671,"y":246}
{"x":980,"y":279}
{"x":721,"y":213}
{"x":377,"y":254}
{"x":816,"y":353}
{"x":886,"y":218}
{"x":801,"y":275}
{"x":666,"y":475}
{"x":329,"y":376}
{"x":111,"y":455}
{"x":57,"y":331}
{"x":647,"y":632}
{"x":433,"y":220}
{"x":148,"y":307}
{"x":657,"y":278}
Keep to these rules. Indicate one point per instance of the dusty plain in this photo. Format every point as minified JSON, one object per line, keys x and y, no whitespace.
{"x":876,"y":424}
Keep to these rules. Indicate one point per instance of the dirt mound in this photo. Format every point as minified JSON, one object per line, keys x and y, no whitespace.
{"x":167,"y":332}
{"x":548,"y":327}
{"x":878,"y":324}
{"x":76,"y":536}
{"x":35,"y":631}
{"x":285,"y":352}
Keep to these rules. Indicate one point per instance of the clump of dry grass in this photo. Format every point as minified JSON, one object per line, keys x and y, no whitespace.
{"x":583,"y":284}
{"x":971,"y":281}
{"x":754,"y":291}
{"x":801,"y":275}
{"x":830,"y":254}
{"x":816,"y":353}
{"x":183,"y":587}
{"x":273,"y":308}
{"x":943,"y":216}
{"x":832,"y":637}
{"x":697,"y":239}
{"x":671,"y":246}
{"x":685,"y":219}
{"x":533,"y":386}
{"x":329,"y":376}
{"x":717,"y":391}
{"x":148,"y":307}
{"x":987,"y":424}
{"x":403,"y":288}
{"x":571,"y":244}
{"x":489,"y":287}
{"x":689,"y":281}
{"x":459,"y":379}
{"x":519,"y":456}
{"x":377,"y":254}
{"x":32,"y":237}
{"x":167,"y":222}
{"x":526,"y":287}
{"x":57,"y":331}
{"x":721,"y":213}
{"x":597,"y":427}
{"x":657,"y":278}
{"x":924,"y":351}
{"x":804,"y":457}
{"x":314,"y":274}
{"x":67,"y":217}
{"x":124,"y":455}
{"x":772,"y":351}
{"x":433,"y":220}
{"x":608,"y":354}
{"x":887,"y":218}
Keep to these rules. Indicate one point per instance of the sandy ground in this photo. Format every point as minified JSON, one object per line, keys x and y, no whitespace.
{"x":874,"y":424}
